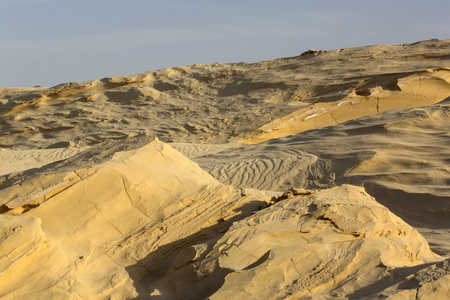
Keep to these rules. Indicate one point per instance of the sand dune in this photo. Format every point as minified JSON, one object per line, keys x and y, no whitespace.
{"x":321,"y":176}
{"x":400,"y":156}
{"x":221,"y":102}
{"x":423,"y":88}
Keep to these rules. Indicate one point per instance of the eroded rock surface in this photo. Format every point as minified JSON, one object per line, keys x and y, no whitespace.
{"x":151,"y":222}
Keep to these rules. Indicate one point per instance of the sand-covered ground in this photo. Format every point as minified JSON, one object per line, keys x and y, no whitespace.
{"x":321,"y":176}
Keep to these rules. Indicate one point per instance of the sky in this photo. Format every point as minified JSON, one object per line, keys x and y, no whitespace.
{"x":48,"y":42}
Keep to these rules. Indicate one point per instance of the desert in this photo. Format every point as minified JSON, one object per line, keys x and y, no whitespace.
{"x":320,"y":176}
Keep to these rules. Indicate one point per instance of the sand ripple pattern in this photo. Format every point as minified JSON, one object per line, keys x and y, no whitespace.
{"x":20,"y":160}
{"x":196,"y":150}
{"x":263,"y":173}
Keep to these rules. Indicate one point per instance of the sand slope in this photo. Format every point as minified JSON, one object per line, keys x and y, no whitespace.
{"x":423,"y":88}
{"x":21,"y":160}
{"x":401,"y":157}
{"x":220,"y":102}
{"x":322,"y":176}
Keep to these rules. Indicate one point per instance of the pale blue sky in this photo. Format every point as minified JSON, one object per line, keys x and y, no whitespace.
{"x":47,"y":42}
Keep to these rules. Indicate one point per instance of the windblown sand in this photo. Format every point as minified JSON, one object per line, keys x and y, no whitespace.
{"x":321,"y":176}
